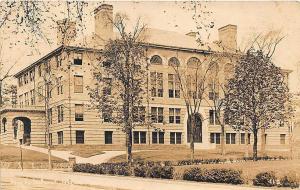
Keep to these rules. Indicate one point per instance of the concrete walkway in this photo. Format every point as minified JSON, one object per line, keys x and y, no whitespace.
{"x":116,"y":182}
{"x":97,"y":159}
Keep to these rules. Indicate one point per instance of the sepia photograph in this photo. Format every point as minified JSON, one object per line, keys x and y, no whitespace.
{"x":149,"y":95}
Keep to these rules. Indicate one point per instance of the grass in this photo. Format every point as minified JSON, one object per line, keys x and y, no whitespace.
{"x":12,"y":154}
{"x":250,"y":169}
{"x":86,"y":153}
{"x":184,"y":154}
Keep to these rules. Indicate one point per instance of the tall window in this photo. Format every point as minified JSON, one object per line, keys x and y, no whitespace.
{"x":156,"y":80}
{"x":139,"y":137}
{"x":32,"y":97}
{"x":21,"y":100}
{"x":265,"y":139}
{"x":213,"y":120}
{"x":282,"y":138}
{"x":175,"y":138}
{"x":58,"y":61}
{"x":25,"y":78}
{"x":50,"y":116}
{"x":213,"y":91}
{"x":249,"y":138}
{"x":194,"y":63}
{"x":243,"y":138}
{"x":59,"y":86}
{"x":31,"y":75}
{"x":158,"y":137}
{"x":157,"y":114}
{"x":60,"y":113}
{"x":77,"y":58}
{"x":174,"y":115}
{"x":79,"y":137}
{"x":60,"y":137}
{"x":108,"y":137}
{"x":4,"y":121}
{"x":156,"y":60}
{"x":215,"y":138}
{"x":174,"y":86}
{"x":26,"y":99}
{"x":230,"y":138}
{"x":78,"y":84}
{"x":79,"y":110}
{"x":40,"y":70}
{"x":107,"y":86}
{"x":20,"y":81}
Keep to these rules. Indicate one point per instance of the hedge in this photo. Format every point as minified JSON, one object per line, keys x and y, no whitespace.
{"x":214,"y":175}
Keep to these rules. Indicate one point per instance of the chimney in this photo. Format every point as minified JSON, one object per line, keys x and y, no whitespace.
{"x":66,"y":32}
{"x":228,"y":37}
{"x":103,"y":22}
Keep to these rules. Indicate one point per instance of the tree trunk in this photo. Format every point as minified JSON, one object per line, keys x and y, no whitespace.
{"x":263,"y":142}
{"x":129,"y":147}
{"x":192,"y":144}
{"x":223,"y":152}
{"x":255,"y":145}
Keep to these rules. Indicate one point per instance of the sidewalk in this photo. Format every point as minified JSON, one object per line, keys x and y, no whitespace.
{"x":97,"y":159}
{"x":129,"y":183}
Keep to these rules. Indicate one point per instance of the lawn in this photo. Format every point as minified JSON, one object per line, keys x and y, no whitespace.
{"x":250,"y":169}
{"x":184,"y":154}
{"x":12,"y":154}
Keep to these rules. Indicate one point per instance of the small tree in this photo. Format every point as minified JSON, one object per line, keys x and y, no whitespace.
{"x":120,"y":87}
{"x":258,"y":97}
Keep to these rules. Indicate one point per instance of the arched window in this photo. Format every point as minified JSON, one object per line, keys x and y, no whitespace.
{"x":173,"y":61}
{"x":156,"y":60}
{"x":193,"y":62}
{"x":213,"y":68}
{"x":4,"y":121}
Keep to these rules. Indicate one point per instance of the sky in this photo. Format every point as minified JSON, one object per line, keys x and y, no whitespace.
{"x":250,"y":17}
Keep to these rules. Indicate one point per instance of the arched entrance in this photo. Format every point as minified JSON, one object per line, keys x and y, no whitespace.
{"x":25,"y":126}
{"x":197,"y":129}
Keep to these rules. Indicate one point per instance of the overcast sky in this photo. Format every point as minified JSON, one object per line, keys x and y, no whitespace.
{"x":250,"y":18}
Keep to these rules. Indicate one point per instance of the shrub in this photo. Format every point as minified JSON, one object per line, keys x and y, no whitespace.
{"x":290,"y":180}
{"x":105,"y":168}
{"x":140,"y":170}
{"x":214,"y":176}
{"x":267,"y":179}
{"x":164,"y":172}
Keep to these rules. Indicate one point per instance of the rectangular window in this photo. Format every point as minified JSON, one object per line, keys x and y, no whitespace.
{"x":139,"y":114}
{"x":107,"y":86}
{"x":107,"y":116}
{"x":175,"y":138}
{"x":156,"y":82}
{"x":50,"y":139}
{"x":26,"y":99}
{"x":230,"y":138}
{"x":40,"y":70}
{"x":20,"y":81}
{"x":60,"y":113}
{"x":59,"y":86}
{"x":108,"y":137}
{"x":158,"y":137}
{"x":60,"y":137}
{"x":78,"y":84}
{"x":213,"y":118}
{"x":31,"y":75}
{"x":157,"y":114}
{"x":282,"y":138}
{"x":77,"y":58}
{"x":25,"y":78}
{"x":50,"y":116}
{"x":243,"y":138}
{"x":174,"y":86}
{"x":139,"y":137}
{"x":249,"y":138}
{"x":32,"y":97}
{"x":174,"y":115}
{"x":215,"y":138}
{"x":79,"y":110}
{"x":265,"y":139}
{"x":79,"y":137}
{"x":213,"y":91}
{"x":58,"y":61}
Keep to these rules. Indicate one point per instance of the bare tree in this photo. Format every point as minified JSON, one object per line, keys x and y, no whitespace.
{"x":192,"y":84}
{"x":120,"y":101}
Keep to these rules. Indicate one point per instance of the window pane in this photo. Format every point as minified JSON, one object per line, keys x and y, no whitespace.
{"x":161,"y":137}
{"x":143,"y":137}
{"x":78,"y":84}
{"x":212,"y":137}
{"x":242,"y":138}
{"x":79,"y":137}
{"x":108,"y":137}
{"x":154,"y":137}
{"x":227,"y":138}
{"x":136,"y":137}
{"x":218,"y":138}
{"x":178,"y":138}
{"x":79,"y":109}
{"x":172,"y":138}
